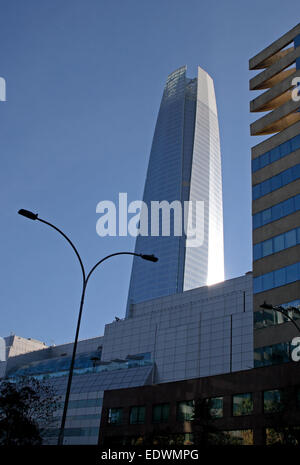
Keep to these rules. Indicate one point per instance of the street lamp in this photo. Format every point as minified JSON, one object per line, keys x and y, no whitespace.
{"x":85,"y":279}
{"x":283,"y":311}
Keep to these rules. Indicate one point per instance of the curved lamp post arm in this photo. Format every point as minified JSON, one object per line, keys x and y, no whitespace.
{"x":70,"y":242}
{"x":280,"y":310}
{"x":106,"y":258}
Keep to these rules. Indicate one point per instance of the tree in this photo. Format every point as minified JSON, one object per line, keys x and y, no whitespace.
{"x":25,"y":406}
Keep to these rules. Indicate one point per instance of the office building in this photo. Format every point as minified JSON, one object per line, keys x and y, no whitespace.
{"x":201,"y":332}
{"x":251,"y":407}
{"x":184,"y":165}
{"x":276,"y":196}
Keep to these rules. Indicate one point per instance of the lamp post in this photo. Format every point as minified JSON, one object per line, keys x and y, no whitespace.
{"x":283,"y":311}
{"x":85,"y":278}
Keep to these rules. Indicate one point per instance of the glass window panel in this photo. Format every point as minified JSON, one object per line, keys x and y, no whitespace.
{"x":277,"y":212}
{"x":298,"y":235}
{"x":264,"y":159}
{"x":285,"y":148}
{"x":290,"y":238}
{"x":279,"y":277}
{"x":292,"y":273}
{"x":274,"y":154}
{"x":288,"y":207}
{"x":257,"y":284}
{"x":267,"y":281}
{"x":255,"y":164}
{"x":297,"y":203}
{"x":256,"y":191}
{"x":265,"y":187}
{"x":276,"y":183}
{"x":272,"y":401}
{"x":295,"y":143}
{"x":160,"y":413}
{"x":242,"y":404}
{"x":215,"y":405}
{"x":278,"y":243}
{"x":257,"y":250}
{"x":115,"y":416}
{"x":267,"y":247}
{"x":256,"y":220}
{"x":266,"y":216}
{"x":295,"y":172}
{"x":286,"y":177}
{"x":185,"y":410}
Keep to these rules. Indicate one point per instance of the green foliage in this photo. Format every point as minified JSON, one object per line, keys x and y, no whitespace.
{"x":24,"y":407}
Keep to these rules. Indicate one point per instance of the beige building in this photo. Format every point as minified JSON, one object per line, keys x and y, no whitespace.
{"x":276,"y":195}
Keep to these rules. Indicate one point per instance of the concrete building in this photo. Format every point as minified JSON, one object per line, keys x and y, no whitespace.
{"x":252,"y":407}
{"x":205,"y":331}
{"x":184,"y":165}
{"x":276,"y":195}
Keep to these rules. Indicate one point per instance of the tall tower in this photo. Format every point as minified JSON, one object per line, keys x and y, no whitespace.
{"x":184,"y":165}
{"x":276,"y":196}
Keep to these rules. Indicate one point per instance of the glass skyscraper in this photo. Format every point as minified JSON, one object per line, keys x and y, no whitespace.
{"x":184,"y":165}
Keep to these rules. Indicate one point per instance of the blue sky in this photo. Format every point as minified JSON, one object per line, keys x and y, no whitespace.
{"x":84,"y":83}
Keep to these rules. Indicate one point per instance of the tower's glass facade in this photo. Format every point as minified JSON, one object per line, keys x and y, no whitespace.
{"x":185,"y":164}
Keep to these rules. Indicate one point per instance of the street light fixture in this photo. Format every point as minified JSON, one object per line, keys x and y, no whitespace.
{"x":284,"y":311}
{"x":85,"y":278}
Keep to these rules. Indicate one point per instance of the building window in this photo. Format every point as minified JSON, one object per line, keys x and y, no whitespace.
{"x":137,"y":415}
{"x":242,"y":404}
{"x":277,"y":278}
{"x":272,"y":355}
{"x":276,"y":244}
{"x":115,"y":416}
{"x":275,"y":154}
{"x":269,"y":317}
{"x":283,"y":436}
{"x":243,"y":437}
{"x":276,"y":212}
{"x":276,"y":182}
{"x":273,"y":401}
{"x":215,"y":405}
{"x":161,"y":413}
{"x":185,"y":410}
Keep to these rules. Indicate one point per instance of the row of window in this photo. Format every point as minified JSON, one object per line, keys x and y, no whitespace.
{"x":161,"y":412}
{"x":282,"y":209}
{"x":276,"y":182}
{"x":83,"y":403}
{"x":276,"y":244}
{"x":71,"y":432}
{"x":242,"y":404}
{"x":287,"y":435}
{"x":275,"y":154}
{"x":277,"y":278}
{"x":268,"y":317}
{"x":273,"y":354}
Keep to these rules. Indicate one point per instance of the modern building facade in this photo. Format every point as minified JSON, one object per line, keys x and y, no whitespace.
{"x":201,"y":332}
{"x":276,"y":196}
{"x":184,"y":165}
{"x":252,"y":407}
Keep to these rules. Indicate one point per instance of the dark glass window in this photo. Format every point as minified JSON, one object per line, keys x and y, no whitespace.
{"x":242,"y":404}
{"x":215,"y":405}
{"x":115,"y":416}
{"x":273,"y":401}
{"x":137,"y":415}
{"x":160,"y":413}
{"x":185,"y":410}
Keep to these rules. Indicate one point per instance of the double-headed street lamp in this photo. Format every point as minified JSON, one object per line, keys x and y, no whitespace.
{"x":85,"y":279}
{"x":284,"y":311}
